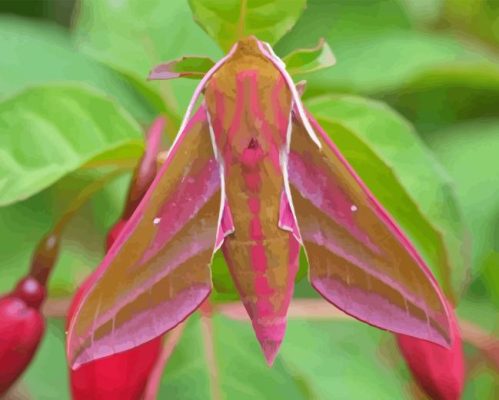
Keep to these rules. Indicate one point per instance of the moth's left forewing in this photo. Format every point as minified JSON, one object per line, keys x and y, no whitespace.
{"x":158,"y":270}
{"x":359,"y":258}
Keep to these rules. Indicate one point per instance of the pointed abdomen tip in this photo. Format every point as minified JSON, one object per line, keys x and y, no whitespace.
{"x":270,"y":350}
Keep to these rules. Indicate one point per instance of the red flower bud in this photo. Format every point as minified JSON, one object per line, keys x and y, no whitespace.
{"x":439,"y":371}
{"x":21,"y":329}
{"x":114,"y":233}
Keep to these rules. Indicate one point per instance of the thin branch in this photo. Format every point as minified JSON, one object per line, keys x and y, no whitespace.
{"x":207,"y":333}
{"x":309,"y":309}
{"x":154,"y":381}
{"x":487,"y":343}
{"x":56,"y":307}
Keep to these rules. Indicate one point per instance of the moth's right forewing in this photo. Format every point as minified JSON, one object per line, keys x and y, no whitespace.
{"x":158,"y":271}
{"x":359,"y":259}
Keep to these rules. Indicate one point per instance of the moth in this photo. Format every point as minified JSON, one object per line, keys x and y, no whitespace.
{"x":253,"y":174}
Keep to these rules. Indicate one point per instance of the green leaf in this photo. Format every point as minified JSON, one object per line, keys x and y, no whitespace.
{"x":242,"y":371}
{"x":476,"y":18}
{"x":481,"y":383}
{"x":188,"y":66}
{"x":187,"y":366}
{"x":48,"y":132}
{"x":35,"y":52}
{"x":133,"y":36}
{"x":340,"y":20}
{"x":341,"y":360}
{"x":469,"y":152}
{"x":384,"y":61}
{"x":424,"y":12}
{"x":375,"y":54}
{"x":231,"y":20}
{"x":318,"y":360}
{"x":308,"y":60}
{"x":468,"y":91}
{"x":387,"y":154}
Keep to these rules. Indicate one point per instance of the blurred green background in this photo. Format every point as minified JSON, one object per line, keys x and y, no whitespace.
{"x":413,"y":102}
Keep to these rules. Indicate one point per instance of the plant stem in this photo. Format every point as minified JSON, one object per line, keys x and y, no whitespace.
{"x":209,"y":351}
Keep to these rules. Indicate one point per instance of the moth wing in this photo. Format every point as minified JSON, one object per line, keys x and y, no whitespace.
{"x":158,"y":270}
{"x":359,"y":259}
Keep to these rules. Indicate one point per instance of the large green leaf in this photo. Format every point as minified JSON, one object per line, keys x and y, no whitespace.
{"x":386,"y":152}
{"x":383,"y":61}
{"x":36,"y":52}
{"x":478,"y":18}
{"x":133,"y":36}
{"x":340,"y":20}
{"x":469,"y":152}
{"x":318,"y":360}
{"x":482,"y":383}
{"x":228,"y":21}
{"x":341,"y":360}
{"x":468,"y":91}
{"x":48,"y":132}
{"x":424,"y":12}
{"x":241,"y":368}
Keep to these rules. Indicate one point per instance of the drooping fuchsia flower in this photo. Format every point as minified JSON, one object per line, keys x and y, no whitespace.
{"x":251,"y":172}
{"x":121,"y":376}
{"x":21,"y":329}
{"x":439,"y":371}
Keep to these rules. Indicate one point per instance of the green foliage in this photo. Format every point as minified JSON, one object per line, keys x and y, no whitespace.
{"x":469,"y":152}
{"x":39,"y":146}
{"x":448,"y":94}
{"x":301,"y":61}
{"x":335,"y":364}
{"x":228,"y":21}
{"x":35,"y":52}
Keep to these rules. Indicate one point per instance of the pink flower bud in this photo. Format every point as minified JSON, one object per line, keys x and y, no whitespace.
{"x":21,"y":329}
{"x":439,"y":371}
